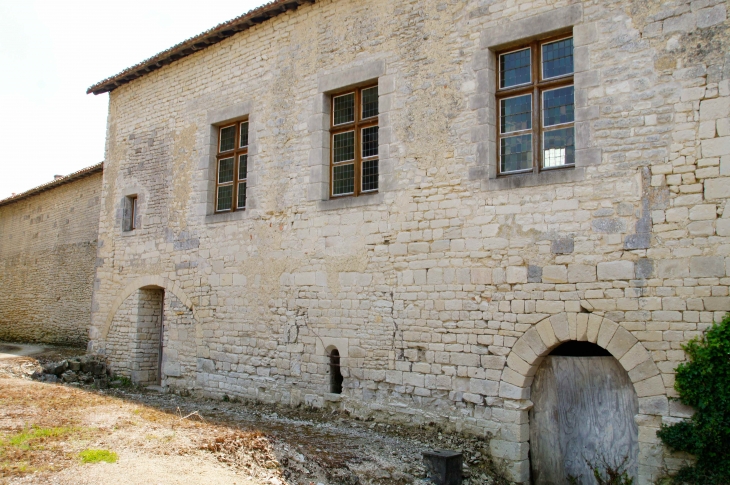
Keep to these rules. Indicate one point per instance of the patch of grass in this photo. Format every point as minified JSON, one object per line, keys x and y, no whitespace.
{"x":30,"y":450}
{"x":96,"y":456}
{"x":29,"y":437}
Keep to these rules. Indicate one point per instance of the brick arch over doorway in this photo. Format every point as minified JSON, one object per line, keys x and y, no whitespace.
{"x":142,"y":283}
{"x":528,"y":352}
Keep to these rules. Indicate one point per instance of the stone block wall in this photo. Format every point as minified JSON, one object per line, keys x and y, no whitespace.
{"x":443,"y":291}
{"x":48,"y":244}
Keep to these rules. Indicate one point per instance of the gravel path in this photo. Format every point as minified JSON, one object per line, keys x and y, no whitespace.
{"x":13,"y":351}
{"x":170,"y":439}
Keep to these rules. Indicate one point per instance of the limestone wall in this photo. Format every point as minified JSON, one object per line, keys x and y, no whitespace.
{"x":47,"y":256}
{"x":442,"y":291}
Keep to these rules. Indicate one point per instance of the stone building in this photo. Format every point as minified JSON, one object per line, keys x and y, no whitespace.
{"x":47,"y":258}
{"x":401,"y":208}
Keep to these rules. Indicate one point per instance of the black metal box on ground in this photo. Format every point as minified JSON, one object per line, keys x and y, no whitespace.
{"x":443,"y":467}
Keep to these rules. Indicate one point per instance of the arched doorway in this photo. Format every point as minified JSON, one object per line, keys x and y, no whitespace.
{"x":583,"y":415}
{"x":134,"y":344}
{"x":147,"y":343}
{"x":148,"y":349}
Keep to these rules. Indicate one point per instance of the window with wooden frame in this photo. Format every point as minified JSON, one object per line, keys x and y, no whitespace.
{"x":354,"y":142}
{"x":133,"y":216}
{"x":232,"y":167}
{"x":129,"y":222}
{"x":535,"y":104}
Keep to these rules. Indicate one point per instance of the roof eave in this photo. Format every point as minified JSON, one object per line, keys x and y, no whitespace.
{"x":197,"y":43}
{"x":84,"y":172}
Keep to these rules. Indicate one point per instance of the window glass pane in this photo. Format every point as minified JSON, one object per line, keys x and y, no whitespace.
{"x":516,"y":113}
{"x":516,"y":153}
{"x":134,"y":213}
{"x":369,"y":175}
{"x":242,"y":167}
{"x":225,"y":197}
{"x":370,"y":142}
{"x":558,"y":148}
{"x":344,"y":108}
{"x":557,"y":58}
{"x":514,"y":68}
{"x":370,"y":102}
{"x":343,"y":146}
{"x":241,"y":195}
{"x":228,"y":138}
{"x":343,"y":179}
{"x":225,"y":170}
{"x":244,"y":134}
{"x":557,"y":106}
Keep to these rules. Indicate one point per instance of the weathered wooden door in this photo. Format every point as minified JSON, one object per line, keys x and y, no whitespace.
{"x":584,"y":409}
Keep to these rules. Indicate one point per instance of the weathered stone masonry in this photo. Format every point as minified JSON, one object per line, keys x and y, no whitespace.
{"x":442,"y":292}
{"x":47,"y":258}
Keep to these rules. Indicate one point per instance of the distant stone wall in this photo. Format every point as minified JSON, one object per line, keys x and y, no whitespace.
{"x":47,"y":256}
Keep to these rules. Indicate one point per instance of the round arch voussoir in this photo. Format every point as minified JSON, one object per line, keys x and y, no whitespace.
{"x":146,"y":282}
{"x":530,"y":349}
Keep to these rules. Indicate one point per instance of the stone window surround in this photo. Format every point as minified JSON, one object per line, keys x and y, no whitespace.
{"x":509,"y":34}
{"x":131,"y":211}
{"x":127,"y":193}
{"x":319,"y":132}
{"x":216,"y":119}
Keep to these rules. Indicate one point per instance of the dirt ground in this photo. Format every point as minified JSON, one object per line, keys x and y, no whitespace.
{"x":169,"y":439}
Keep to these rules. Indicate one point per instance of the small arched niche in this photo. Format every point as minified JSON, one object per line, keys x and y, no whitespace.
{"x":335,"y":372}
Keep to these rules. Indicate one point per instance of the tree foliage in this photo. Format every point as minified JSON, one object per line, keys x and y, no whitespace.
{"x":704,"y":383}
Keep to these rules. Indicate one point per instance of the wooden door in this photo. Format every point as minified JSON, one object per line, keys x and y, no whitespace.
{"x":584,"y":409}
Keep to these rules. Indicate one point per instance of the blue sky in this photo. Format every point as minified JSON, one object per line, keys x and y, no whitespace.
{"x":51,"y":51}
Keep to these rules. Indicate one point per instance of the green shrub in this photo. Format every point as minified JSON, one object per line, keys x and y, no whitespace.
{"x":124,"y":381}
{"x":704,"y":384}
{"x":95,"y":456}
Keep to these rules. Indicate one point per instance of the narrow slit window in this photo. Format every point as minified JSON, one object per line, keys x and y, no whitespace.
{"x":354,"y":142}
{"x":535,"y":102}
{"x":336,"y":378}
{"x":232,"y":167}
